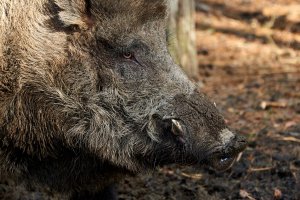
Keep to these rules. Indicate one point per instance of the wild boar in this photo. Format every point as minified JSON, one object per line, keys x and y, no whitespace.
{"x":89,"y":93}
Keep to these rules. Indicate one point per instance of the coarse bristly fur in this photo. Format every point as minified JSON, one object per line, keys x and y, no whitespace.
{"x":87,"y":93}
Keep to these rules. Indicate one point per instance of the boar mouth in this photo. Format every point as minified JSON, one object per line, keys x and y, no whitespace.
{"x":222,"y":162}
{"x":222,"y":158}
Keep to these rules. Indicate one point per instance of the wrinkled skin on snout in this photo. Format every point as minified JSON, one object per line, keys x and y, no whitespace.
{"x":195,"y":133}
{"x":97,"y":96}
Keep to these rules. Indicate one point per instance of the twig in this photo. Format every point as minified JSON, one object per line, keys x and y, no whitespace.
{"x":289,"y":139}
{"x":260,"y":169}
{"x":193,"y":176}
{"x":245,"y":194}
{"x":267,"y":104}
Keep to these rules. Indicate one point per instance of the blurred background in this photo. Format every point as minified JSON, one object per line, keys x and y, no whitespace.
{"x":245,"y":55}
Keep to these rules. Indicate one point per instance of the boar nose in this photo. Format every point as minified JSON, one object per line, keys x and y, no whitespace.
{"x":223,"y":158}
{"x":237,"y":144}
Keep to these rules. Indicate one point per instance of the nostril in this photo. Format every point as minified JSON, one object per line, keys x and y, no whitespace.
{"x":237,"y":144}
{"x":240,"y":139}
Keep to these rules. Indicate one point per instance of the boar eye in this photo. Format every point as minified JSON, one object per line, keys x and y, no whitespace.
{"x":128,"y":55}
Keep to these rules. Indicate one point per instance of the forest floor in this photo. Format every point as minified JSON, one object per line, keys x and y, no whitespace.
{"x":249,"y":60}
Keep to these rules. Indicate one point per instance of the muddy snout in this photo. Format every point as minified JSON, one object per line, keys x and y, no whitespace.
{"x":222,"y":158}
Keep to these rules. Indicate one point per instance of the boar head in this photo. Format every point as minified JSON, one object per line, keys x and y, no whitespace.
{"x":101,"y":81}
{"x":159,"y":115}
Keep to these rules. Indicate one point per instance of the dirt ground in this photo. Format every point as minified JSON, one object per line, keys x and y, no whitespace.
{"x":249,"y":61}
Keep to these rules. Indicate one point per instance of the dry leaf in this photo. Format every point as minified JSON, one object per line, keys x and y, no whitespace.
{"x":245,"y":194}
{"x":277,"y":194}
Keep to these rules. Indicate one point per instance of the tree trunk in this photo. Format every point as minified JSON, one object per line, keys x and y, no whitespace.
{"x":183,"y":35}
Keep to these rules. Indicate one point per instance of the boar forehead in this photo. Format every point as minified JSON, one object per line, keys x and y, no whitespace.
{"x":139,"y":10}
{"x":123,"y":21}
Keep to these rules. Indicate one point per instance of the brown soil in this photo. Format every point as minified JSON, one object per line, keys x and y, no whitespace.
{"x":249,"y":60}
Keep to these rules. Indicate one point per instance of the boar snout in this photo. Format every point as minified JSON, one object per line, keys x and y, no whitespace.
{"x":222,"y":158}
{"x":194,"y":131}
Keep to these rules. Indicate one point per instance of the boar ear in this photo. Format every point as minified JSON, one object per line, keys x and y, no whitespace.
{"x":73,"y":15}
